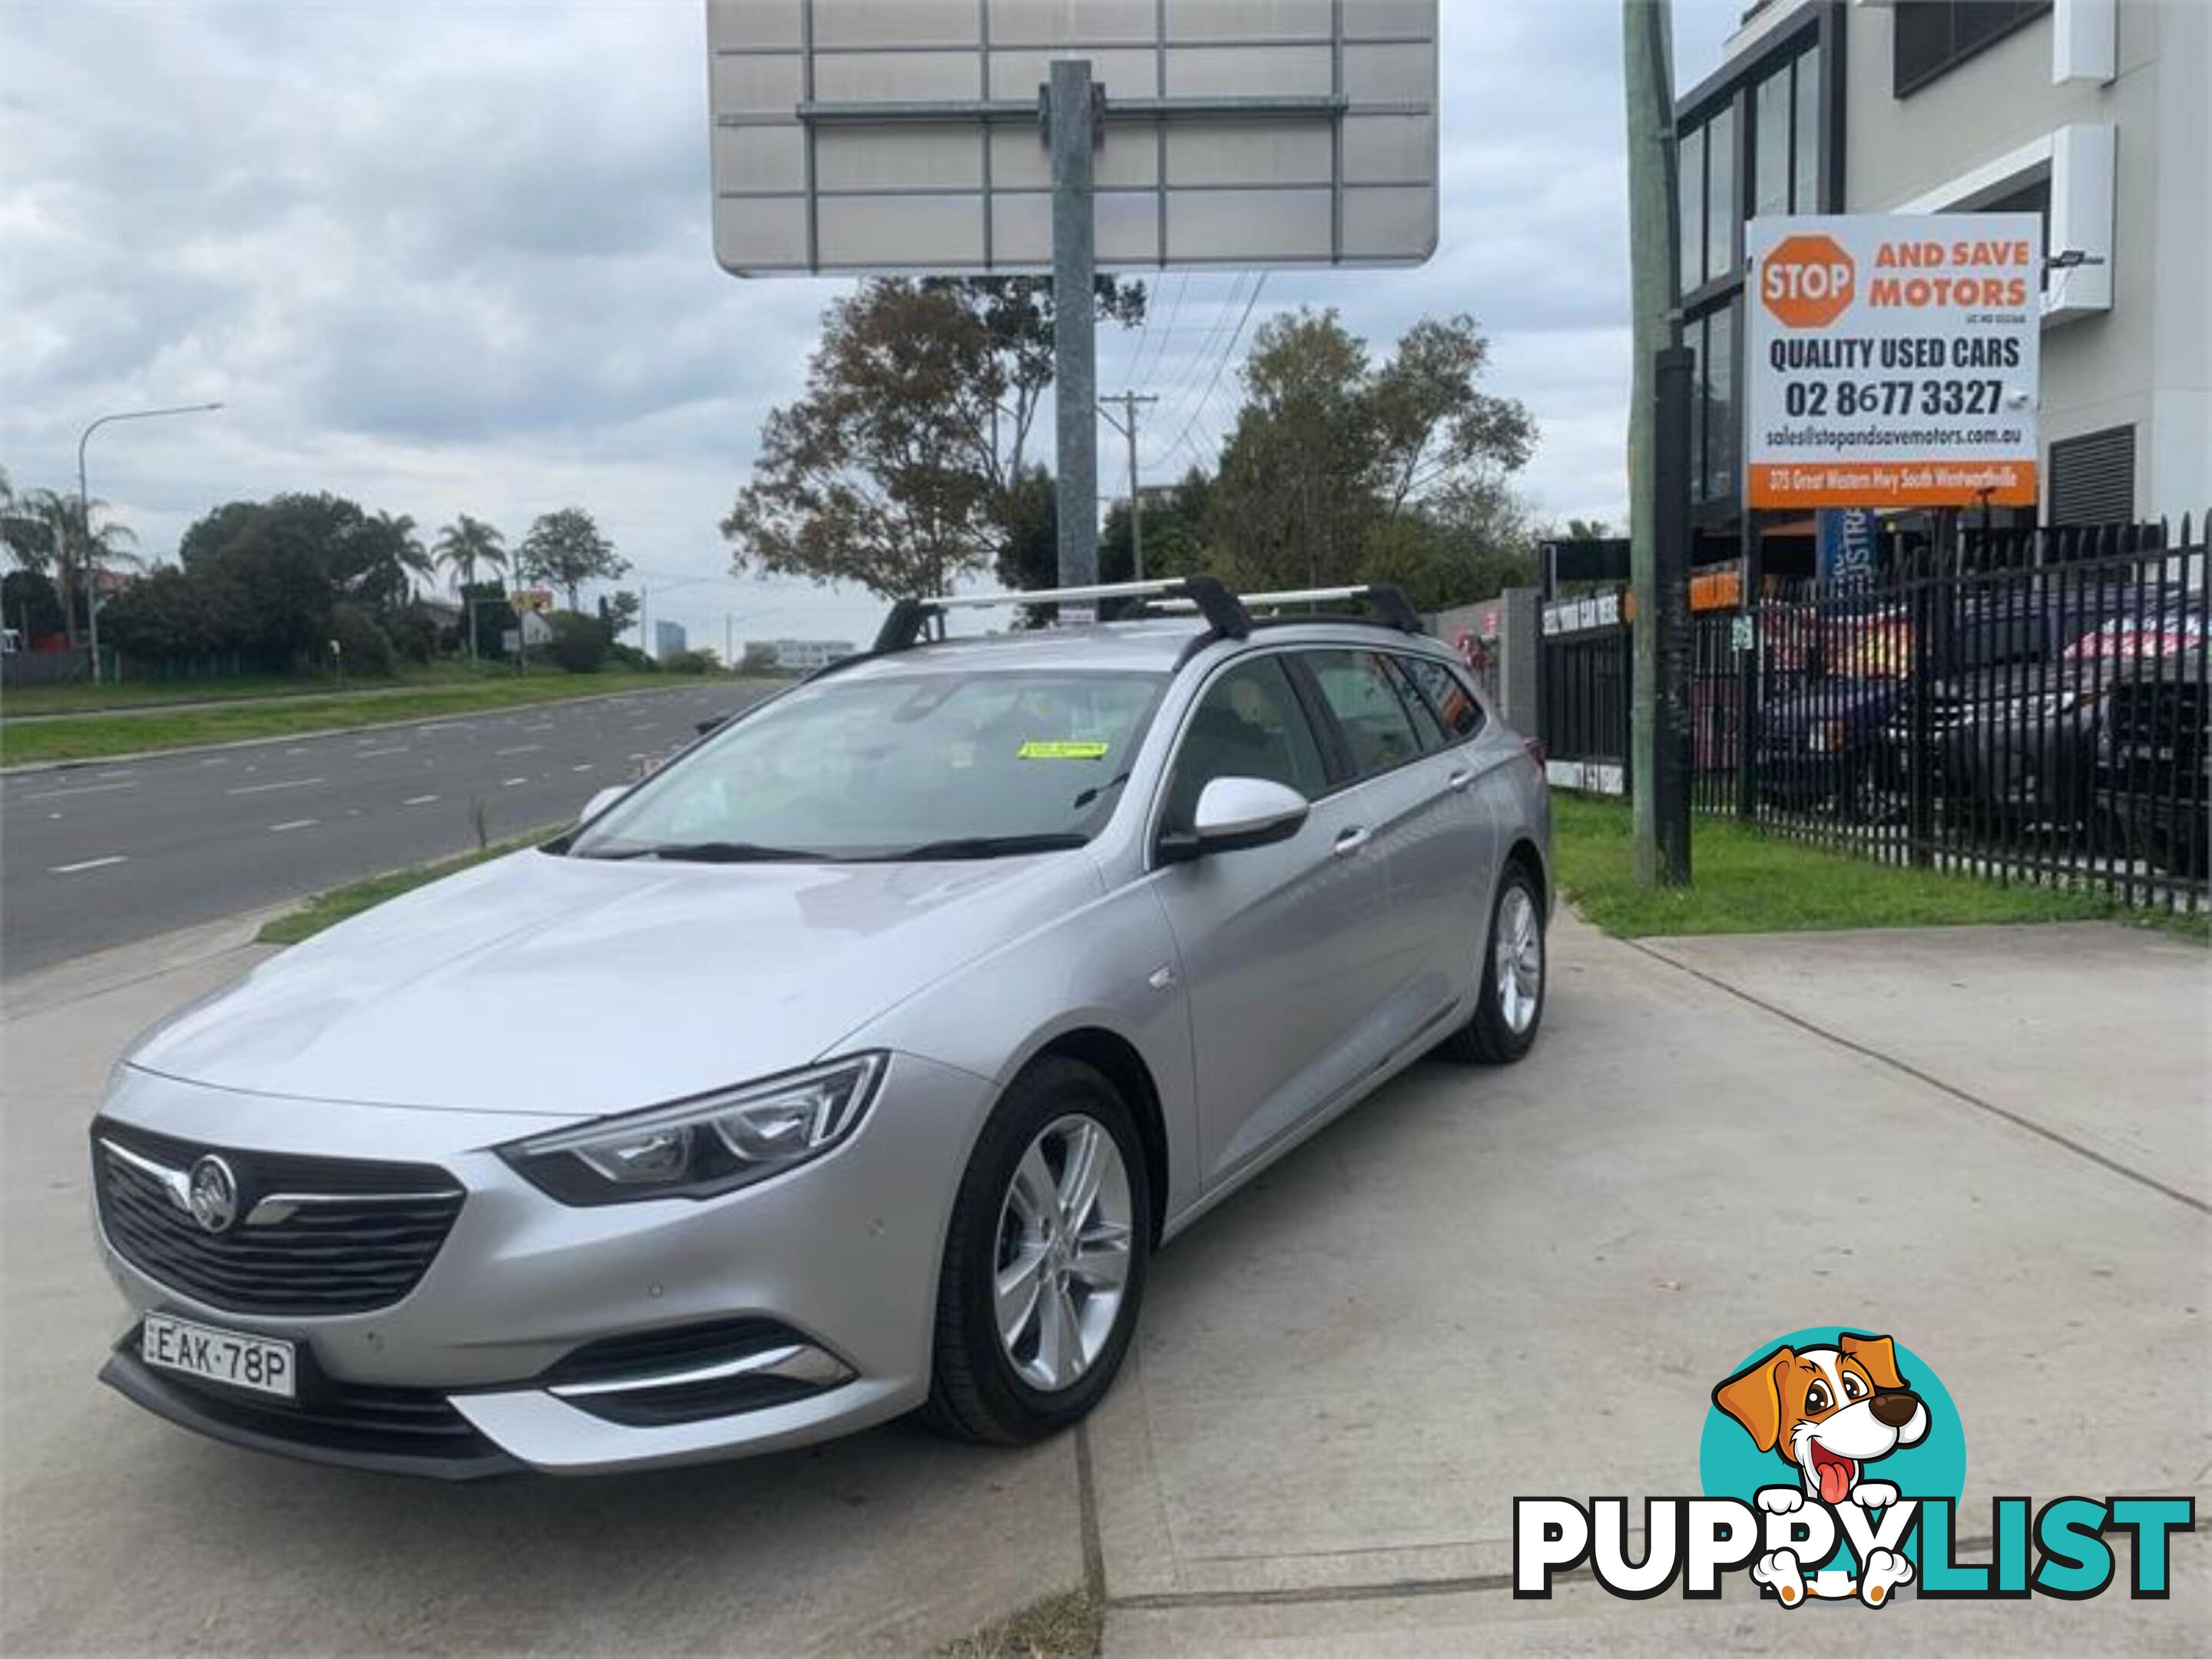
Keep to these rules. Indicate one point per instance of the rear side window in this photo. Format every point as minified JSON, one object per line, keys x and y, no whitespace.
{"x":1447,"y":694}
{"x":1370,"y":710}
{"x":1426,"y":726}
{"x":1250,"y":724}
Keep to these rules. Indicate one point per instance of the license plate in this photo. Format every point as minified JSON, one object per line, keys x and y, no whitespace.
{"x":258,"y":1362}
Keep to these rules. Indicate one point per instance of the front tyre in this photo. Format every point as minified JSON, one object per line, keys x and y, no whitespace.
{"x":1044,"y":1261}
{"x":1508,"y":1002}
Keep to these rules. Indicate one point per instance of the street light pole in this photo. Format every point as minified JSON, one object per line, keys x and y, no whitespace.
{"x":84,"y":511}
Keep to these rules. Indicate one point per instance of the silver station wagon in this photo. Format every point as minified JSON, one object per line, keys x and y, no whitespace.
{"x":856,"y":1062}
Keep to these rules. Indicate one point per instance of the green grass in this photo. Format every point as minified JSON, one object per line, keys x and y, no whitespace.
{"x":85,"y":698}
{"x":97,"y":736}
{"x":1067,"y":1627}
{"x":328,"y":909}
{"x":1744,"y":882}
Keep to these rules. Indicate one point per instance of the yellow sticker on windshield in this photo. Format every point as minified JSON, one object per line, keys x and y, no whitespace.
{"x":1035,"y":750}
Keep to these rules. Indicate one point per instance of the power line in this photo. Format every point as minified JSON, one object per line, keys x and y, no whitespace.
{"x":1193,"y":370}
{"x":1175,"y":309}
{"x":1195,"y":414}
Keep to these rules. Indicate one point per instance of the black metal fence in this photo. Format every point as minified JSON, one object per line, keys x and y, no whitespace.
{"x":2023,"y":706}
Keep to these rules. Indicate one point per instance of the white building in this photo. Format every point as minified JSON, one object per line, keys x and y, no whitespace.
{"x":668,"y":639}
{"x":2096,"y":114}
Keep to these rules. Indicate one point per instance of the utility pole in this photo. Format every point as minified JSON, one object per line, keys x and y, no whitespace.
{"x":1127,"y":426}
{"x":1071,"y":122}
{"x":1647,"y":30}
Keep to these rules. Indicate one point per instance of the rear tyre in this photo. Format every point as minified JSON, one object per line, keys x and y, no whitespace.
{"x":1508,"y":1003}
{"x":1045,"y":1262}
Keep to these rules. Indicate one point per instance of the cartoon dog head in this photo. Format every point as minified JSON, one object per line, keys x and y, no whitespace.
{"x":1829,"y":1410}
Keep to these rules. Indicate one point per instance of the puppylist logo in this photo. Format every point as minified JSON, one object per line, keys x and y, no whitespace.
{"x":1832,"y":1462}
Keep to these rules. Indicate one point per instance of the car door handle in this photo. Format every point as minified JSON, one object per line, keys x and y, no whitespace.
{"x":1349,"y":842}
{"x":1460,"y":779}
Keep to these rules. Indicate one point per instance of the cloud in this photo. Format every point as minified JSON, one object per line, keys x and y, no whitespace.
{"x":454,"y":257}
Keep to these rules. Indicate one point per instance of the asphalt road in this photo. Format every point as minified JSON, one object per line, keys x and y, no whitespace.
{"x":108,"y":852}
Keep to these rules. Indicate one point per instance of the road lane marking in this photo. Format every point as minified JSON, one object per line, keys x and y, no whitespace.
{"x":81,"y":789}
{"x":264,"y":789}
{"x":419,"y":800}
{"x":88,"y":864}
{"x":586,"y":767}
{"x":295,"y":823}
{"x":542,"y":726}
{"x":364,"y":754}
{"x":509,"y":783}
{"x":519,"y":749}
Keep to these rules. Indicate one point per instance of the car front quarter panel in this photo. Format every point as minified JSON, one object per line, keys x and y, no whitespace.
{"x":1108,"y":965}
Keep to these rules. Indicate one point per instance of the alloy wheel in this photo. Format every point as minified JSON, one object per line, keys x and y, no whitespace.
{"x":1062,"y":1262}
{"x":1518,"y":969}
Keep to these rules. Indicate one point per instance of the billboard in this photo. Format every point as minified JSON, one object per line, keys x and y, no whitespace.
{"x":1891,"y":359}
{"x":855,"y":136}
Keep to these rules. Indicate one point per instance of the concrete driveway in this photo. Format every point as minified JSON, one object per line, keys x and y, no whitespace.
{"x":1990,"y":1143}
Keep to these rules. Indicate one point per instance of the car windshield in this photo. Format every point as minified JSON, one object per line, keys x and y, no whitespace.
{"x":917,"y":766}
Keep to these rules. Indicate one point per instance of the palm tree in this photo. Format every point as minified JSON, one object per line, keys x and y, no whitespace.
{"x":27,"y":538}
{"x":406,"y":549}
{"x":46,"y":531}
{"x":467,"y":543}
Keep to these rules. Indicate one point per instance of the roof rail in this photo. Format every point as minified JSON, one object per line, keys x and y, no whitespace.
{"x":1222,"y":609}
{"x":1388,"y":600}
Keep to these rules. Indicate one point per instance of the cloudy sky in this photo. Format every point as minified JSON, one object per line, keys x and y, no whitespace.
{"x":452,"y":257}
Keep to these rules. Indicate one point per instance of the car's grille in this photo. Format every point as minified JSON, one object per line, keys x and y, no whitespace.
{"x":361,"y":1236}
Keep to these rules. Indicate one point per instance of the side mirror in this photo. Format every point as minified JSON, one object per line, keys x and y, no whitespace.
{"x":599,"y":802}
{"x":1235,"y":813}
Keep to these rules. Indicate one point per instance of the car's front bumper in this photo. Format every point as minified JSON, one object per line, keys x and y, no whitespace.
{"x":842,"y":1255}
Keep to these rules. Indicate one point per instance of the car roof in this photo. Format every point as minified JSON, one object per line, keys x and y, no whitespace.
{"x":1153,"y":645}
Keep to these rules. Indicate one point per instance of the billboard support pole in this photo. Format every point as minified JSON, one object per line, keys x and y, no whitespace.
{"x":1071,"y":130}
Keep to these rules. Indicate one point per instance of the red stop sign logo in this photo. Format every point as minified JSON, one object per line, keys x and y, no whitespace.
{"x":1806,"y":281}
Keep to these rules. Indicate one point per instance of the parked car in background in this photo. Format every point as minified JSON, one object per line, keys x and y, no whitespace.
{"x":2153,"y":771}
{"x":855,"y":1062}
{"x":1836,"y":678}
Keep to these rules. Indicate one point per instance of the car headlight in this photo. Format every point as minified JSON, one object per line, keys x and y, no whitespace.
{"x":703,"y":1146}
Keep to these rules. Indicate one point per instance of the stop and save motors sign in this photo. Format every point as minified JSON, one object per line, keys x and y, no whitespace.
{"x":1892,"y":360}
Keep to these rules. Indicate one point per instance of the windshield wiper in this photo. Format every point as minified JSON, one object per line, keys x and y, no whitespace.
{"x":983,"y":847}
{"x":712,"y":852}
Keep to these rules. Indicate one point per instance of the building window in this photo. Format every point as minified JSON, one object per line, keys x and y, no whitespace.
{"x":1934,"y":36}
{"x":1693,"y":337}
{"x":1809,"y":151}
{"x":1785,"y":161}
{"x":1690,"y":206}
{"x":1717,"y":392}
{"x":2093,"y":477}
{"x":1720,"y":211}
{"x":1770,"y":150}
{"x":1713,"y":453}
